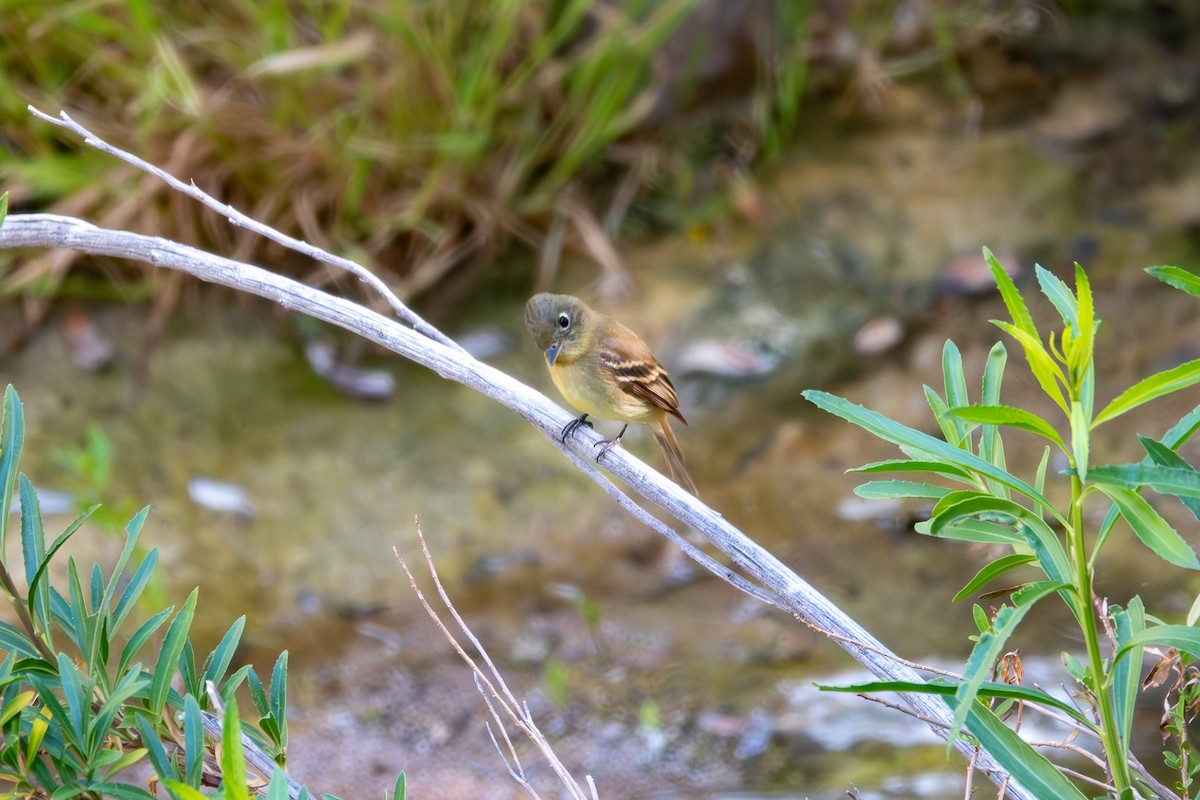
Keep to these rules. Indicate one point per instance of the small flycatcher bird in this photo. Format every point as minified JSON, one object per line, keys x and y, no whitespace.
{"x":604,"y":370}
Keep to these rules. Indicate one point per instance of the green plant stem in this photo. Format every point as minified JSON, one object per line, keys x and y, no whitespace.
{"x":23,"y":615}
{"x":1087,"y":610}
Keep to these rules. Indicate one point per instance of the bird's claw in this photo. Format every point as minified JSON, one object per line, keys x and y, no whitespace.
{"x":573,"y":426}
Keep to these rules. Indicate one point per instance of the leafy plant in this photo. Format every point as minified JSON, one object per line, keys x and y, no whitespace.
{"x":978,"y":499}
{"x":84,"y":695}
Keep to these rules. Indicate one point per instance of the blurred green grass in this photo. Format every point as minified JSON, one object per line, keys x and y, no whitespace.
{"x":420,"y":138}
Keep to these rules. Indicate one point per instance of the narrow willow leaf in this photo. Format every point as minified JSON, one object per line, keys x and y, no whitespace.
{"x":944,"y":688}
{"x":233,"y":756}
{"x":1178,"y":481}
{"x":15,"y":705}
{"x":973,"y":530}
{"x":33,"y":535}
{"x":919,"y":445}
{"x":134,"y":588}
{"x":74,"y":693}
{"x":1059,"y":294}
{"x":1051,"y":556}
{"x":1081,"y":360}
{"x":3,"y":206}
{"x":400,"y":790}
{"x":1154,"y":531}
{"x":1127,"y":673}
{"x":1164,"y":456}
{"x":1012,"y":298}
{"x":1178,"y":278}
{"x":1080,"y":440}
{"x":12,"y":438}
{"x":168,"y":655}
{"x":991,"y":445}
{"x":140,"y":637}
{"x":1032,"y":770}
{"x":164,"y":766}
{"x":119,"y":791}
{"x":993,"y":374}
{"x":1182,"y":637}
{"x":955,"y":382}
{"x":1147,"y":389}
{"x":193,"y":742}
{"x":906,"y":465}
{"x":279,"y":697}
{"x":992,"y":571}
{"x":989,"y":648}
{"x":218,"y":661}
{"x":1011,"y":417}
{"x":1045,"y":370}
{"x":950,"y":432}
{"x":277,"y":789}
{"x":890,"y":490}
{"x":133,"y":529}
{"x":184,"y":792}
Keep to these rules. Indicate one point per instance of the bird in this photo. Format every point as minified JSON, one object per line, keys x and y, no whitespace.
{"x":605,"y":370}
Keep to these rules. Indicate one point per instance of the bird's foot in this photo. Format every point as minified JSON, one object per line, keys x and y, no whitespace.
{"x":573,"y":426}
{"x":609,"y":444}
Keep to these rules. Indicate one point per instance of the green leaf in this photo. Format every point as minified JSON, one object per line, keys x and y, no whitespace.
{"x":1154,"y":531}
{"x":1127,"y":673}
{"x":1178,"y":481}
{"x":134,"y":588}
{"x":279,"y":697}
{"x":991,"y":445}
{"x":944,"y":688}
{"x":1059,"y":294}
{"x":955,"y":381}
{"x":1080,"y":358}
{"x":44,"y":596}
{"x":168,"y":656}
{"x":992,"y":571}
{"x":1178,"y":278}
{"x":3,"y":206}
{"x":1182,"y":637}
{"x":218,"y":662}
{"x":140,"y":637}
{"x":950,"y":431}
{"x":16,"y":641}
{"x":886,"y":490}
{"x":1164,"y":456}
{"x":1033,"y":771}
{"x":1011,"y":417}
{"x":918,"y":445}
{"x":973,"y":530}
{"x":1045,"y":370}
{"x":907,"y":465}
{"x":120,"y":791}
{"x":1012,"y":298}
{"x":133,"y":529}
{"x":1080,"y":440}
{"x":1147,"y":389}
{"x":233,"y":757}
{"x":184,"y":792}
{"x":12,"y":437}
{"x":277,"y":789}
{"x":164,"y":766}
{"x":1052,"y":558}
{"x":33,"y":535}
{"x":193,"y":742}
{"x":78,"y":702}
{"x":400,"y":790}
{"x":990,"y":646}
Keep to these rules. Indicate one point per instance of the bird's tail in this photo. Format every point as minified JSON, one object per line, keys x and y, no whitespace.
{"x":670,"y":447}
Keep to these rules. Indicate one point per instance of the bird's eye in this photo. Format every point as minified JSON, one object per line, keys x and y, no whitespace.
{"x":564,"y":321}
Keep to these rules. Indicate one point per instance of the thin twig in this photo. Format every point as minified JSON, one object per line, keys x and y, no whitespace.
{"x":523,"y":720}
{"x":235,"y":217}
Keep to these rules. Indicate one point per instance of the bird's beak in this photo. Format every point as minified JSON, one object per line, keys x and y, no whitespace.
{"x":552,"y":352}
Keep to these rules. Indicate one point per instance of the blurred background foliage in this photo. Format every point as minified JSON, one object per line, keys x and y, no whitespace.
{"x":426,"y":138}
